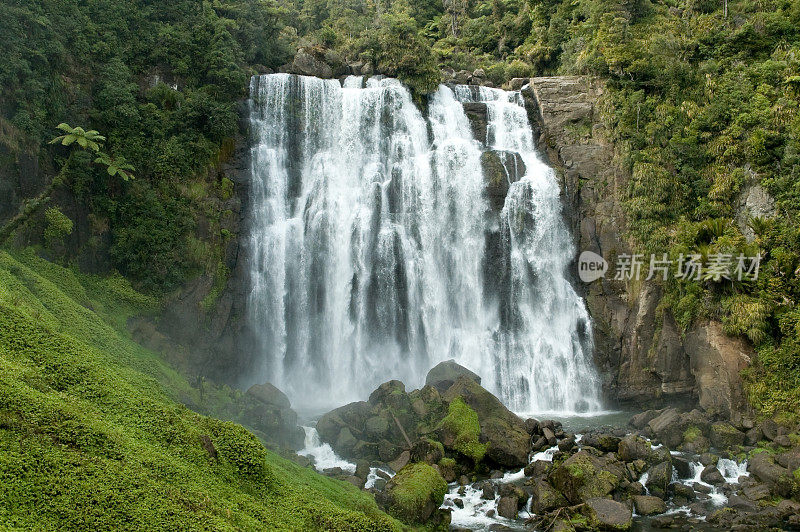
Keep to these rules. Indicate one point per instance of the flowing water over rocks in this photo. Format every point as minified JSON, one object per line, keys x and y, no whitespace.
{"x":376,"y":252}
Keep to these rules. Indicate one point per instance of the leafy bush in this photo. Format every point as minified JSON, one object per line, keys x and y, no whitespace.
{"x":58,"y":224}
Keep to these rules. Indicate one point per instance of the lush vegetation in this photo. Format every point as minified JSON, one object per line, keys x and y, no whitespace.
{"x":702,"y":104}
{"x":90,"y":440}
{"x":161,"y":82}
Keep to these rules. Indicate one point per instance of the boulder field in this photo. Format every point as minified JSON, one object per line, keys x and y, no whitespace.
{"x":434,"y":450}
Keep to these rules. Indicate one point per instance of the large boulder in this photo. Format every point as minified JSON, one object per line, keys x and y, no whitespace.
{"x":640,"y":420}
{"x":381,"y":428}
{"x":658,"y":478}
{"x":724,"y":436}
{"x":414,"y":493}
{"x":444,"y":374}
{"x":269,"y":395}
{"x":267,"y":410}
{"x":632,"y":448}
{"x":779,"y":479}
{"x":608,"y":443}
{"x":606,"y":514}
{"x":503,"y":430}
{"x":583,"y":476}
{"x":649,"y":505}
{"x":507,"y":506}
{"x":426,"y":450}
{"x":545,"y":498}
{"x":308,"y":62}
{"x":667,"y":427}
{"x":344,"y":427}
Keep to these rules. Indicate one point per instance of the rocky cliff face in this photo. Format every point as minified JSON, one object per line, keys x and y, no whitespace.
{"x":644,"y":357}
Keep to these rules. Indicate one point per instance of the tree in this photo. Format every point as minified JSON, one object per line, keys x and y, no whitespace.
{"x":89,"y":140}
{"x":116,"y":165}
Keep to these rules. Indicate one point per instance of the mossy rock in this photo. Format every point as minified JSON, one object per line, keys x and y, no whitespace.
{"x":415,"y":493}
{"x":447,"y":468}
{"x":460,"y":431}
{"x":606,"y":514}
{"x":725,"y":436}
{"x":583,"y":476}
{"x":508,"y":441}
{"x":545,"y":498}
{"x":427,"y":450}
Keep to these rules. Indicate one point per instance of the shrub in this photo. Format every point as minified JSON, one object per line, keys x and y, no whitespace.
{"x":58,"y":225}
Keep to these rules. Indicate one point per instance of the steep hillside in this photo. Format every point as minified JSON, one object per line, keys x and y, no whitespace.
{"x":90,"y":439}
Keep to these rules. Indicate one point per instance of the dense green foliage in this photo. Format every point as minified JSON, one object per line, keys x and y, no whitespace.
{"x":702,"y":104}
{"x":89,"y":440}
{"x":702,"y":107}
{"x":161,"y":81}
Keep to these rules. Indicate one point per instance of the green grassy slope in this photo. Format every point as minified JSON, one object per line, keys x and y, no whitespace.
{"x":90,"y":440}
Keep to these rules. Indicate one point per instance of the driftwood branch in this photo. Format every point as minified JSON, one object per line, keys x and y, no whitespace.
{"x":403,"y":432}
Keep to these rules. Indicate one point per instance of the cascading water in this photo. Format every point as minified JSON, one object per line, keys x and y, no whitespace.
{"x":369,"y":244}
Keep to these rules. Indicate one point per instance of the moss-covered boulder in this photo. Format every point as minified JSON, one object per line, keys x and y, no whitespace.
{"x":460,"y":431}
{"x":606,"y":514}
{"x":267,"y":409}
{"x":583,"y":476}
{"x":467,"y":419}
{"x":545,"y":498}
{"x":632,"y":448}
{"x":448,"y":469}
{"x":694,"y":440}
{"x":444,"y":374}
{"x":724,"y":436}
{"x":415,"y":493}
{"x":503,"y":431}
{"x":427,"y":450}
{"x":658,"y":479}
{"x":649,"y":505}
{"x":780,"y":480}
{"x":372,"y":430}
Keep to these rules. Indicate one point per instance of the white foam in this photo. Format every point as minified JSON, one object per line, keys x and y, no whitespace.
{"x":324,"y":455}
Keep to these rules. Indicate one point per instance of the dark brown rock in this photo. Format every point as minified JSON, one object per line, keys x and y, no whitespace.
{"x":444,"y":375}
{"x":583,"y":476}
{"x":606,"y":514}
{"x":779,"y":479}
{"x":507,"y":506}
{"x":649,"y":505}
{"x":658,"y":478}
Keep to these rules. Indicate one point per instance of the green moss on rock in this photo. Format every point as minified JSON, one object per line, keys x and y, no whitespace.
{"x":691,"y":434}
{"x":415,"y":492}
{"x":461,"y":425}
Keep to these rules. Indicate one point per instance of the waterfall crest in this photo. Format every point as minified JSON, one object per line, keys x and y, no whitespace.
{"x":370,"y":255}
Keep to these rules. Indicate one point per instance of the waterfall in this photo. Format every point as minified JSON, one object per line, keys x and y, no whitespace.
{"x":370,"y":247}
